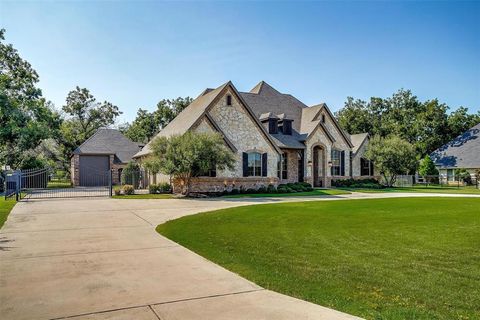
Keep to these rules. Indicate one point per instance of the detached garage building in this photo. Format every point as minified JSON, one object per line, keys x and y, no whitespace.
{"x":107,"y":149}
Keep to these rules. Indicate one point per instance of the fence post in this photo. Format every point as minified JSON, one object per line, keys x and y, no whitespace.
{"x":110,"y":183}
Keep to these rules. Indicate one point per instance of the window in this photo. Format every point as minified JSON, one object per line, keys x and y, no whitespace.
{"x":323,"y":118}
{"x":282,"y":166}
{"x":229,"y":100}
{"x":254,"y":164}
{"x":337,"y":162}
{"x":366,"y":167}
{"x":209,"y":173}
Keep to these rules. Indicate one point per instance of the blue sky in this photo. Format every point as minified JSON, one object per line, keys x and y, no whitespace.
{"x":135,"y":53}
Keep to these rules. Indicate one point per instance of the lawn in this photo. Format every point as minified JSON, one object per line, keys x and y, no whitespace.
{"x":145,"y":196}
{"x":59,"y":184}
{"x":403,"y":258}
{"x":5,"y":208}
{"x":421,"y":189}
{"x":316,"y":192}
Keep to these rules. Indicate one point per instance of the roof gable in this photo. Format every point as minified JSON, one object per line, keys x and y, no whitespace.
{"x":195,"y":111}
{"x":109,"y":141}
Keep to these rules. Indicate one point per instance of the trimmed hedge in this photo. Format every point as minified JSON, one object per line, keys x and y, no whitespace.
{"x":370,"y":183}
{"x":282,"y":188}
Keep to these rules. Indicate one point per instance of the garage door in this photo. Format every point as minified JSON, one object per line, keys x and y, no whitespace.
{"x":94,"y":171}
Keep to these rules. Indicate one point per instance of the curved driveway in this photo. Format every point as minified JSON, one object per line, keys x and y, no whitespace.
{"x":102,"y":259}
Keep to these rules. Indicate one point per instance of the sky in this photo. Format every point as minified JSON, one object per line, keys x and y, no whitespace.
{"x":135,"y":53}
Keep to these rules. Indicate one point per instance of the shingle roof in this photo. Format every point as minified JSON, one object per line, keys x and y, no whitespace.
{"x":461,"y":152}
{"x":264,"y":99}
{"x":357,"y":140}
{"x":109,"y":141}
{"x":187,"y":118}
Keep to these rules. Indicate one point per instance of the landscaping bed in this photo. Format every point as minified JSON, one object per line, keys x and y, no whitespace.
{"x":402,"y":258}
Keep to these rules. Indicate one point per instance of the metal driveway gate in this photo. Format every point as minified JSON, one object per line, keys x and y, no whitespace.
{"x":43,"y":183}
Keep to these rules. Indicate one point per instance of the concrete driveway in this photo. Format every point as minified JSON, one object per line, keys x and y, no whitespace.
{"x":102,"y":259}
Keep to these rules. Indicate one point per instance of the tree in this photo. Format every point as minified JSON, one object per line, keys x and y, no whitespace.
{"x":427,"y":168}
{"x":84,"y":116}
{"x":355,"y":116}
{"x":190,"y":155}
{"x":426,"y":124}
{"x":463,"y":175}
{"x":147,"y":124}
{"x":393,"y":156}
{"x":131,"y":174}
{"x":26,"y":117}
{"x":460,"y":121}
{"x":143,"y":128}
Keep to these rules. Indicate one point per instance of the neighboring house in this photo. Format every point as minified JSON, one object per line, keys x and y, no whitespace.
{"x":105,"y":150}
{"x":276,"y":139}
{"x":463,"y":152}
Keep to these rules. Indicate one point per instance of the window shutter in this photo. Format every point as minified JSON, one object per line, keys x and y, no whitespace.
{"x":264,"y":164}
{"x":272,"y":126}
{"x":285,"y":173}
{"x":342,"y":163}
{"x":287,"y":127}
{"x":245,"y":164}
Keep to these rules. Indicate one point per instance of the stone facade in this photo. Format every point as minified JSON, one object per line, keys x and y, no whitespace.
{"x":320,"y":138}
{"x":244,"y":134}
{"x":292,"y":166}
{"x":219,"y":184}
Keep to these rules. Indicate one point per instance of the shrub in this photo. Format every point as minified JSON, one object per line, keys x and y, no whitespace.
{"x":282,"y":190}
{"x":235,"y":191}
{"x":262,"y":189}
{"x":164,"y":187}
{"x":352,"y":183}
{"x":117,"y":190}
{"x":305,"y":184}
{"x":271,"y":188}
{"x":131,"y":174}
{"x":250,"y":191}
{"x":128,"y":189}
{"x":153,"y":188}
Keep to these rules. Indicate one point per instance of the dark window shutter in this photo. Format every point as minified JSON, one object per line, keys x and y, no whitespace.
{"x":342,"y":163}
{"x":272,"y":126}
{"x":287,"y":127}
{"x":285,"y":172}
{"x":245,"y":164}
{"x":371,"y":168}
{"x":264,"y":164}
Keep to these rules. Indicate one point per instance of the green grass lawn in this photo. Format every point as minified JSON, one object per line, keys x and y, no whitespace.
{"x":5,"y":208}
{"x":403,"y":258}
{"x":145,"y":196}
{"x":421,"y":189}
{"x":59,"y":184}
{"x":316,"y":192}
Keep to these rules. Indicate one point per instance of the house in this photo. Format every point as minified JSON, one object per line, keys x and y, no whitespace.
{"x":275,"y":137}
{"x":105,"y":150}
{"x":463,"y":152}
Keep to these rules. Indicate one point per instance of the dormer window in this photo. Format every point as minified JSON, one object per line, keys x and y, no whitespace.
{"x":229,"y":100}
